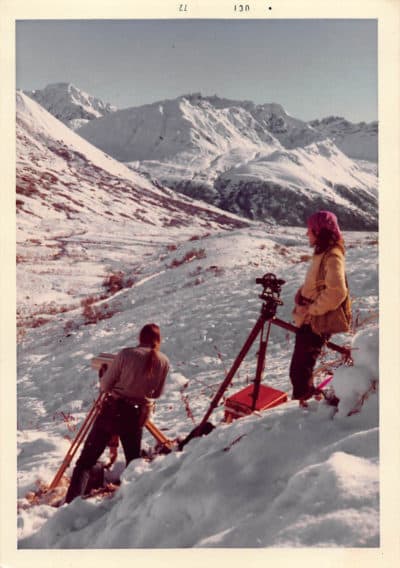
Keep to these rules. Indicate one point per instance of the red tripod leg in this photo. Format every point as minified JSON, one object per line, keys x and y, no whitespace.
{"x":260,"y":365}
{"x":339,"y":348}
{"x":198,"y":430}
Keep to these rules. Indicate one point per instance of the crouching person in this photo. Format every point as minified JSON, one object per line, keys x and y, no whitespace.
{"x":135,"y":377}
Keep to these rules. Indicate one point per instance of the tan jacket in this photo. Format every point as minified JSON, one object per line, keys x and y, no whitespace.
{"x":324,"y":286}
{"x":126,"y":376}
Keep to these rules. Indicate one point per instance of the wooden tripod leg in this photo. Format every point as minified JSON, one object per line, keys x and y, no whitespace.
{"x":158,"y":435}
{"x":76,"y":442}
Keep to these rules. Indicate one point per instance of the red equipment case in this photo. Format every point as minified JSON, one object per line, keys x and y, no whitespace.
{"x":240,"y":404}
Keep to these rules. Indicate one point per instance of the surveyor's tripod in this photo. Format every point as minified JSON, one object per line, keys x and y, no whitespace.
{"x":100,"y":363}
{"x":271,"y":300}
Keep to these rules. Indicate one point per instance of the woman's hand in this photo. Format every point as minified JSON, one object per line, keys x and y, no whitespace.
{"x":302,"y":310}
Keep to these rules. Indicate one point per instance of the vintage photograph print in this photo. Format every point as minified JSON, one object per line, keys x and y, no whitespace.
{"x":197,"y":283}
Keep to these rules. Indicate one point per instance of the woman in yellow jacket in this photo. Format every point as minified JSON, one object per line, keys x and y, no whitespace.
{"x":322,"y":304}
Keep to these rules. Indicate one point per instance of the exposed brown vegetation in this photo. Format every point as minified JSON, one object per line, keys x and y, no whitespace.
{"x":117,"y":281}
{"x":94,"y":314}
{"x":216,"y":270}
{"x":194,"y":254}
{"x":198,"y":237}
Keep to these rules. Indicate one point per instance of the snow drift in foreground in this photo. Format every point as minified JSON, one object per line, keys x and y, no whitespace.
{"x":286,"y":478}
{"x":289,"y":478}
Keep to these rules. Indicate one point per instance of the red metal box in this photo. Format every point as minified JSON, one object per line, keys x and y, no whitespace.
{"x":240,"y":403}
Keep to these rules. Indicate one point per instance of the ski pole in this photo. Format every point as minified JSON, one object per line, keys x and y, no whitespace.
{"x":83,"y":430}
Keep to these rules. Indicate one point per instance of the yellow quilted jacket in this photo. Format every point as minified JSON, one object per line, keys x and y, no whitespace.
{"x":325,"y":290}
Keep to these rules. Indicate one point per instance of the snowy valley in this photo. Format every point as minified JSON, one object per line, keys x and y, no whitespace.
{"x":103,"y":249}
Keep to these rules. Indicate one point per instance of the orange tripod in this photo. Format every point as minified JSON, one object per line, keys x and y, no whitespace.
{"x":76,"y":442}
{"x":98,"y":363}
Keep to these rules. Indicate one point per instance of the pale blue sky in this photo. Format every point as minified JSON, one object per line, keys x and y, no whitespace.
{"x":314,"y":68}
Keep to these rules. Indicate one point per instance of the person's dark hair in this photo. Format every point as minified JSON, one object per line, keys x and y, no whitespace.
{"x":325,"y":227}
{"x":150,"y":336}
{"x":325,"y":240}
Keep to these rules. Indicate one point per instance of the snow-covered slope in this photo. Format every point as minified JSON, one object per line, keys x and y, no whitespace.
{"x":101,"y":251}
{"x":286,"y":478}
{"x":69,"y":104}
{"x":75,"y":203}
{"x":254,"y":160}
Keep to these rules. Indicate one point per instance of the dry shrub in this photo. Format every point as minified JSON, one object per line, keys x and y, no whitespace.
{"x":171,"y":248}
{"x":283,"y":251}
{"x":362,"y":320}
{"x":94,"y":314}
{"x":198,"y":237}
{"x":194,"y":254}
{"x":21,"y":332}
{"x":216,"y":270}
{"x":38,"y":322}
{"x":52,"y":309}
{"x":69,"y":326}
{"x":117,"y":281}
{"x":196,"y":271}
{"x":114,"y":282}
{"x":68,"y":419}
{"x":195,"y":282}
{"x":173,"y":222}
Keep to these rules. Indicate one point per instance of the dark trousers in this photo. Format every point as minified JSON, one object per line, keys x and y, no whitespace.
{"x":117,"y":416}
{"x":307,"y":349}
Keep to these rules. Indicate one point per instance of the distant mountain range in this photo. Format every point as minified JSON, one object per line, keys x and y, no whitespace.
{"x":253,"y":160}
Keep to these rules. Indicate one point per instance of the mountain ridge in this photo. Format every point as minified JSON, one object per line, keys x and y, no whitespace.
{"x":253,"y":160}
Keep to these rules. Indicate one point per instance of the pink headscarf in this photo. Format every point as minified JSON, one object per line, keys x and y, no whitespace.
{"x":324,"y":220}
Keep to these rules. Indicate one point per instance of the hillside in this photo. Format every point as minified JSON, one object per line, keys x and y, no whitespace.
{"x":286,"y":478}
{"x":76,"y":204}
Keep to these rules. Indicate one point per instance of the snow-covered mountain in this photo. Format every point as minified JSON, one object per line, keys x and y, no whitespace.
{"x":253,"y":160}
{"x":358,"y":141}
{"x":69,"y":104}
{"x":73,"y":201}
